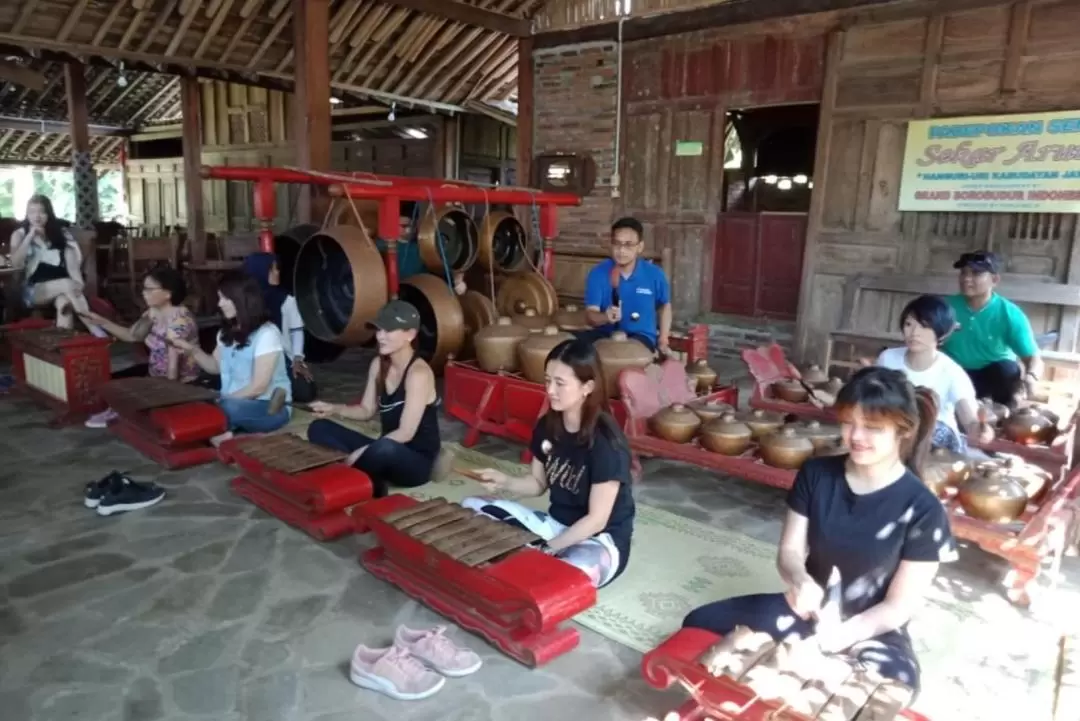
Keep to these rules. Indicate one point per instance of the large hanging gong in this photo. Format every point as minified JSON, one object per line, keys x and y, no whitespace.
{"x":442,"y":323}
{"x":505,"y":244}
{"x":340,"y":283}
{"x":286,"y":247}
{"x":479,"y":312}
{"x":527,"y":290}
{"x":449,"y":233}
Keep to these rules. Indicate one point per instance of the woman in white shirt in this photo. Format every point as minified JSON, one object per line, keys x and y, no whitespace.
{"x":283,"y":312}
{"x":255,"y":389}
{"x":52,"y":261}
{"x":926,"y":322}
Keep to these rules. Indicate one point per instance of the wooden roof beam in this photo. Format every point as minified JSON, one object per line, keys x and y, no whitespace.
{"x":22,"y":76}
{"x":469,"y":15}
{"x":55,"y":126}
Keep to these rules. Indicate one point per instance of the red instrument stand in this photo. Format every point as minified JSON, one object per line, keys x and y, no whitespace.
{"x":317,"y":501}
{"x":175,"y":436}
{"x":83,"y":361}
{"x":518,"y":604}
{"x":717,"y":698}
{"x":499,"y":404}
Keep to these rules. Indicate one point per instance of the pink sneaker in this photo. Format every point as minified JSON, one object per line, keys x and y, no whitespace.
{"x":392,"y":671}
{"x":103,"y":419}
{"x":437,"y":651}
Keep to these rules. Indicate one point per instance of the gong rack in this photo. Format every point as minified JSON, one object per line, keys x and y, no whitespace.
{"x":377,"y":201}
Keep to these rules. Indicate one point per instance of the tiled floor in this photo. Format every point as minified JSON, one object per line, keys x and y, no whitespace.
{"x":205,"y":608}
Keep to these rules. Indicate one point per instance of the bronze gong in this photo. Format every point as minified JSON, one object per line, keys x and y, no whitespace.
{"x":340,"y":284}
{"x":479,"y":312}
{"x":342,"y":213}
{"x":286,"y":247}
{"x":527,"y":290}
{"x":504,"y":244}
{"x":447,"y":237}
{"x":442,"y":322}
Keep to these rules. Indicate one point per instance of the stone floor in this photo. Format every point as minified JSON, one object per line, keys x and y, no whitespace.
{"x":206,"y":608}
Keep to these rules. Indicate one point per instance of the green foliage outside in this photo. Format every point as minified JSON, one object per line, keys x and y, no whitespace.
{"x":19,"y":182}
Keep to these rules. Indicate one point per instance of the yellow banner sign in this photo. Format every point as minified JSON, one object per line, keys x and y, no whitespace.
{"x":1008,"y":163}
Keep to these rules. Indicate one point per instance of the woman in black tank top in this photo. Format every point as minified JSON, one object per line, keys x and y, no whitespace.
{"x":401,"y":390}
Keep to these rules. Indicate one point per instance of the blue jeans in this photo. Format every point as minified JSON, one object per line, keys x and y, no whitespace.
{"x":890,"y":654}
{"x":251,"y":416}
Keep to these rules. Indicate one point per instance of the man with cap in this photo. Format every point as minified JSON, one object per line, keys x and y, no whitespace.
{"x":401,"y":391}
{"x":993,"y":340}
{"x":629,"y":293}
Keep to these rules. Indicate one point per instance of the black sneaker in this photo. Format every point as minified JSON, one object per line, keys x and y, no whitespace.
{"x":98,"y":489}
{"x":129,"y":496}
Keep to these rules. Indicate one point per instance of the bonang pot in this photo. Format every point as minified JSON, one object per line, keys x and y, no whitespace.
{"x":710,"y":410}
{"x":785,"y":449}
{"x":814,"y":376}
{"x":704,"y":376}
{"x":572,"y":319}
{"x":496,"y":345}
{"x":820,"y":435}
{"x":725,"y":435}
{"x":790,"y":390}
{"x":533,"y":321}
{"x":946,"y":469}
{"x":618,"y":353}
{"x":1030,"y":426}
{"x":534,"y":349}
{"x":676,"y":423}
{"x":996,"y":413}
{"x":993,"y":495}
{"x":833,"y":386}
{"x":761,"y":422}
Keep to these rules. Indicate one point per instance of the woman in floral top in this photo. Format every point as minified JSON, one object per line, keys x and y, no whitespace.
{"x":166,"y":317}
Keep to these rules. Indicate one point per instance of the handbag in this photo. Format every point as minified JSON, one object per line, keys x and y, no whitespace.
{"x":303,"y":390}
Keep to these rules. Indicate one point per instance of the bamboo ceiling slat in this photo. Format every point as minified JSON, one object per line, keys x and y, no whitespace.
{"x":222,"y":12}
{"x":568,"y":14}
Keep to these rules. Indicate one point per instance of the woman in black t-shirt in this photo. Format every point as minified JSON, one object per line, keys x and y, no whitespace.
{"x":862,"y":539}
{"x":582,"y":458}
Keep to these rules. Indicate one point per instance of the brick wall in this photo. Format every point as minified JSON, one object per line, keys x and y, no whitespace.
{"x":575,"y":91}
{"x":729,"y":335}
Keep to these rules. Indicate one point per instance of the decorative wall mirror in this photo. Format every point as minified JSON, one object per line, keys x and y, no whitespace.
{"x":564,"y":172}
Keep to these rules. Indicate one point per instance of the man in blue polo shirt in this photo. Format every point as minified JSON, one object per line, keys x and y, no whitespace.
{"x":993,"y":336}
{"x":628,"y":293}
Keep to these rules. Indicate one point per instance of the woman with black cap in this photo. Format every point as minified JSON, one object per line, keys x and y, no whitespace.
{"x":401,"y":390}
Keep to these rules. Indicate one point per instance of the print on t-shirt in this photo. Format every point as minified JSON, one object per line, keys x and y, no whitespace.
{"x":561,"y":473}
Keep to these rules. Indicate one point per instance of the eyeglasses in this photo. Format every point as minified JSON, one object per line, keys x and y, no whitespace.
{"x":624,"y":245}
{"x":150,"y":288}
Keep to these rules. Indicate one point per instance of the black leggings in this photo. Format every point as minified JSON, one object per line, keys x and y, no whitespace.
{"x":1000,"y":381}
{"x":139,"y":370}
{"x":890,"y":654}
{"x":385,"y":460}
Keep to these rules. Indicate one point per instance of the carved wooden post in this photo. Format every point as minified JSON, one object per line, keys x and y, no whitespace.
{"x":311,"y":30}
{"x":82,"y":165}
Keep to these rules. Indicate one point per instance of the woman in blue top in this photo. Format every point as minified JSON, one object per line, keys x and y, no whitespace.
{"x":250,"y":359}
{"x":582,"y":459}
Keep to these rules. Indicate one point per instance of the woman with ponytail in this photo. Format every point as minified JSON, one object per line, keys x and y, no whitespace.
{"x":862,"y":538}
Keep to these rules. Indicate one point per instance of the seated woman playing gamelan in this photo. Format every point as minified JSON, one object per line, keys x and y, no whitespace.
{"x":52,"y":261}
{"x":255,"y":389}
{"x":583,"y":459}
{"x":926,"y":322}
{"x":166,"y":317}
{"x":283,"y":312}
{"x":866,"y":522}
{"x":401,"y":389}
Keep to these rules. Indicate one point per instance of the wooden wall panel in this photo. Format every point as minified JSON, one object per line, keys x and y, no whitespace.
{"x":155,"y":190}
{"x":992,"y":60}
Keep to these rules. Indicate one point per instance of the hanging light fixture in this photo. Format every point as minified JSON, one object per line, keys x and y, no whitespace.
{"x":801,"y":179}
{"x":122,"y":80}
{"x":784,"y":184}
{"x":392,"y":115}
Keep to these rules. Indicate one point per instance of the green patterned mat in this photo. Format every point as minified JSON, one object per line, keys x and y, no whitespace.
{"x":676,"y":564}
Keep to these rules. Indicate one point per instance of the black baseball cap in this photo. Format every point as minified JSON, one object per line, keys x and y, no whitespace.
{"x":980,"y":261}
{"x":396,"y":315}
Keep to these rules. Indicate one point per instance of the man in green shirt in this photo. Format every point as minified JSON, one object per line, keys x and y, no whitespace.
{"x":993,"y":340}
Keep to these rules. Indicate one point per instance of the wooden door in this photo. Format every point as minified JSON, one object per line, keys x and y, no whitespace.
{"x":735,"y":260}
{"x":757,"y":264}
{"x":781,"y":239}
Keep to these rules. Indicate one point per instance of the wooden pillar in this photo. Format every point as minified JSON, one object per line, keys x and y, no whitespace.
{"x":525,"y":113}
{"x":191,"y":107}
{"x":82,"y":165}
{"x":311,"y":126}
{"x":445,"y":162}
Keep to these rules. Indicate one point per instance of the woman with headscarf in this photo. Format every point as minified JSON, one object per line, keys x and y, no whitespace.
{"x":283,"y":312}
